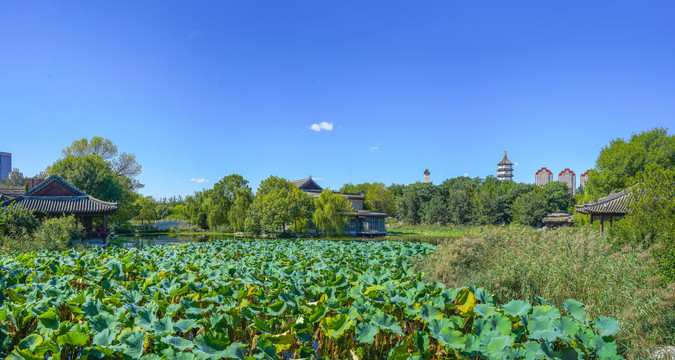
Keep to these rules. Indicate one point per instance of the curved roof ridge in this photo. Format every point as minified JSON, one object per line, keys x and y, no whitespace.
{"x":51,"y":179}
{"x":505,"y":160}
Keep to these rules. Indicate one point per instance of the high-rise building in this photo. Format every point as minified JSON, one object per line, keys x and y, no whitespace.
{"x":583,"y":178}
{"x":426,"y":176}
{"x":505,"y":169}
{"x":543,"y":176}
{"x":570,"y":178}
{"x":5,"y":164}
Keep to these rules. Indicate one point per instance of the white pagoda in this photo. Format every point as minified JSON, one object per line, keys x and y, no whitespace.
{"x":505,"y":169}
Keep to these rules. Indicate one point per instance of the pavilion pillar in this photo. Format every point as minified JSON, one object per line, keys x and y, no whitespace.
{"x":591,"y":221}
{"x":104,"y":233}
{"x":602,"y":220}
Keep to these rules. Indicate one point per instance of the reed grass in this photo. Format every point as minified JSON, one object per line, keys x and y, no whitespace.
{"x":521,"y":263}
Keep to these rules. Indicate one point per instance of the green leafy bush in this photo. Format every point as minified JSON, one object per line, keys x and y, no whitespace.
{"x":16,"y":224}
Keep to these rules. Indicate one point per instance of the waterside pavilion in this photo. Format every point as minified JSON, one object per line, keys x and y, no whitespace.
{"x":361,"y":222}
{"x":55,"y":197}
{"x":610,"y":207}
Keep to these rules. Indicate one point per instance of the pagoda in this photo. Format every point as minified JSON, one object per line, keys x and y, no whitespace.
{"x":505,"y":169}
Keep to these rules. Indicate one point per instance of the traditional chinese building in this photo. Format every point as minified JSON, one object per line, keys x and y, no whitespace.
{"x":505,"y":169}
{"x":543,"y":176}
{"x":609,"y":208}
{"x":427,"y":173}
{"x":55,"y":197}
{"x":361,"y":222}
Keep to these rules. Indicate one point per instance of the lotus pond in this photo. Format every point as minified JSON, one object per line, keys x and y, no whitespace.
{"x":271,"y":299}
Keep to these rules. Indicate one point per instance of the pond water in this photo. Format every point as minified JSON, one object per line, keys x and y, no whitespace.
{"x":142,"y":240}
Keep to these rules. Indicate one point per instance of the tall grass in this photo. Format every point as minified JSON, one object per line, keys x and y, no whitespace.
{"x":521,"y":263}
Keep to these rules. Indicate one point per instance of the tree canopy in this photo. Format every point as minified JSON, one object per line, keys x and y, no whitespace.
{"x":621,"y":161}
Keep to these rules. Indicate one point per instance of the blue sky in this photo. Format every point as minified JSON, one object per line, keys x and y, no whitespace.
{"x":199,"y":90}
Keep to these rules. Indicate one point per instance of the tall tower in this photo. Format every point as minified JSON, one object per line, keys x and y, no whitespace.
{"x":543,"y":176}
{"x":570,"y":178}
{"x":426,"y":176}
{"x":583,"y":178}
{"x":505,"y":169}
{"x":5,"y":164}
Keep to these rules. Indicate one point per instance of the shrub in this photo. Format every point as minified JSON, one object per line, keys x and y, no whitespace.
{"x":16,"y":224}
{"x":522,"y":263}
{"x":56,"y":233}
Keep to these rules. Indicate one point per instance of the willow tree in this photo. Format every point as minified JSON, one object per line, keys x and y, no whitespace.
{"x":330,"y":215}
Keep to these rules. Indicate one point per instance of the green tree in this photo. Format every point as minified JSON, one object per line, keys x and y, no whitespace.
{"x":277,"y":203}
{"x":122,"y":164}
{"x":92,"y":175}
{"x":242,"y":202}
{"x":558,"y":197}
{"x":330,"y":216}
{"x":530,"y":208}
{"x":621,"y":161}
{"x":147,"y":209}
{"x":651,"y":221}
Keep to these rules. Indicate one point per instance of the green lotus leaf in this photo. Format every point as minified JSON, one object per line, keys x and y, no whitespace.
{"x":73,"y":338}
{"x":606,"y":326}
{"x":276,"y":309}
{"x":436,"y":326}
{"x":386,"y":322}
{"x":24,"y":354}
{"x":497,"y":344}
{"x":48,"y":323}
{"x":566,"y":326}
{"x":211,"y":344}
{"x":163,"y":327}
{"x":484,"y":310}
{"x":541,"y":328}
{"x":30,"y":342}
{"x":546,"y":310}
{"x":576,"y":309}
{"x":132,"y":342}
{"x":178,"y":343}
{"x":500,"y":323}
{"x":185,"y":325}
{"x":516,"y":308}
{"x":235,"y":351}
{"x":104,"y":321}
{"x":365,"y":332}
{"x":334,"y":327}
{"x":104,"y":338}
{"x":421,"y":340}
{"x":151,"y":357}
{"x":429,"y":311}
{"x":452,"y":338}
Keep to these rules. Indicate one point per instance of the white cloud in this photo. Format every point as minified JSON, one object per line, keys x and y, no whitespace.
{"x":516,"y":164}
{"x":318,"y":179}
{"x":466,"y":174}
{"x":194,"y":34}
{"x":322,"y":126}
{"x":373,"y":148}
{"x":199,"y":180}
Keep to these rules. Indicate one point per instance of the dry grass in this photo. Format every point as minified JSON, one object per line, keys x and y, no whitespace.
{"x":521,"y":263}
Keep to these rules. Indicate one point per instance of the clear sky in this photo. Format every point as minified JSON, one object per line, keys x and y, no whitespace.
{"x":200,"y":90}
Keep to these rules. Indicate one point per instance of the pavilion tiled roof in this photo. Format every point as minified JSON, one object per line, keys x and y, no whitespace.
{"x":58,"y":179}
{"x":64,"y":204}
{"x":73,"y":202}
{"x":505,"y":161}
{"x":614,"y":203}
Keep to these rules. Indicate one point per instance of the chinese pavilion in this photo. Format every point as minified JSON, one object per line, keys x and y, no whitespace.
{"x":56,"y":197}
